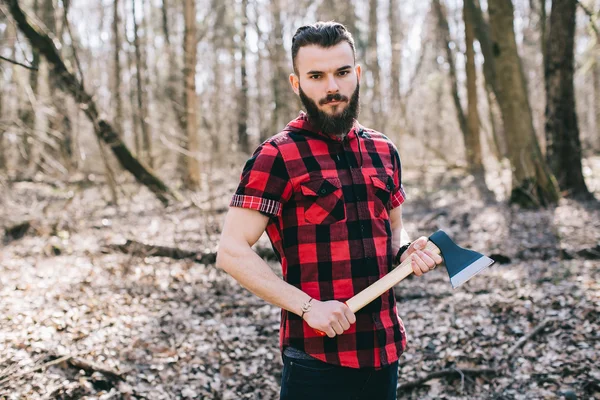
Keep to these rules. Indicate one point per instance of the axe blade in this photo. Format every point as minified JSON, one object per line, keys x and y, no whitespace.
{"x":461,"y":264}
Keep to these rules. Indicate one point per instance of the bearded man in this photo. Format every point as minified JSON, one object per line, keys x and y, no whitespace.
{"x":328,"y":191}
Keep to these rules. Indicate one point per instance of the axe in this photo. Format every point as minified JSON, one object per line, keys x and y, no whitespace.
{"x":461,"y":264}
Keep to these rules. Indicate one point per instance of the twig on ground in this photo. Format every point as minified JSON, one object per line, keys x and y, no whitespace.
{"x":447,"y":373}
{"x":143,"y":249}
{"x":529,"y":336}
{"x":35,"y":369}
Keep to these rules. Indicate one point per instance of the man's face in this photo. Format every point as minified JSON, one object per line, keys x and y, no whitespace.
{"x":327,"y":83}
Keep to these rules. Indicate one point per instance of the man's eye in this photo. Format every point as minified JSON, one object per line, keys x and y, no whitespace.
{"x":344,"y":73}
{"x":315,"y":76}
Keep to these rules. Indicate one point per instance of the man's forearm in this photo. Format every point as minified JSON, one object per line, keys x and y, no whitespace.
{"x":399,"y":237}
{"x":251,"y":271}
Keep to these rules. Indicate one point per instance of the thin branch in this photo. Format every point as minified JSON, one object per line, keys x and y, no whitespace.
{"x":592,"y":17}
{"x":451,"y":372}
{"x":18,"y":63}
{"x":36,"y":368}
{"x":529,"y":336}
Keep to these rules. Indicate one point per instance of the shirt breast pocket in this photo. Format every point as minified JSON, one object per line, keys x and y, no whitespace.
{"x":382,"y":186}
{"x":323,"y":201}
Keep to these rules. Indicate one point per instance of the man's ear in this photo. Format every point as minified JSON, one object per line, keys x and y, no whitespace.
{"x":358,"y":71}
{"x":295,"y":82}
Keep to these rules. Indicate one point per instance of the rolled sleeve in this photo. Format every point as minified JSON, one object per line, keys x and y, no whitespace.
{"x":264,"y":185}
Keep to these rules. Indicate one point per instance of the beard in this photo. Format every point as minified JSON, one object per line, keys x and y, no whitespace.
{"x":337,"y":124}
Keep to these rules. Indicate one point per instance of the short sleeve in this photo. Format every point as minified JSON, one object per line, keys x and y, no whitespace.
{"x":398,"y":194}
{"x":265,"y":184}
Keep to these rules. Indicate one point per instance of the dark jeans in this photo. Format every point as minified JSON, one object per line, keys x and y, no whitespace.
{"x":316,"y":380}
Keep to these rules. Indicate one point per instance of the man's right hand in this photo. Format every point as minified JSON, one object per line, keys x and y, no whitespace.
{"x":332,"y":317}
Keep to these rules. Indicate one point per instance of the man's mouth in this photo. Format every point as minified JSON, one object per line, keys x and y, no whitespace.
{"x":334,"y":102}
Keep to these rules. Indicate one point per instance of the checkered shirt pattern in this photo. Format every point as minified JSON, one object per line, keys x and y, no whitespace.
{"x":329,"y":200}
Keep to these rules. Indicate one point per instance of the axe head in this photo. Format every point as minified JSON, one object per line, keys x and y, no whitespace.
{"x":462,"y":264}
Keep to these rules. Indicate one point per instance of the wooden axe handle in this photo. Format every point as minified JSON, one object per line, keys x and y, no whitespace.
{"x":381,"y":286}
{"x":378,"y":288}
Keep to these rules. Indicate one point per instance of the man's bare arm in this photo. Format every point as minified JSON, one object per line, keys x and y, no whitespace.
{"x":242,"y":228}
{"x":423,"y":260}
{"x":399,"y":234}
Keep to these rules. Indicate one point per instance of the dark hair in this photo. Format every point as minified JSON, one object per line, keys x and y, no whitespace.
{"x":324,"y":34}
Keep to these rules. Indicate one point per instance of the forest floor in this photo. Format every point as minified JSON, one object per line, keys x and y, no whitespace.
{"x":80,"y":319}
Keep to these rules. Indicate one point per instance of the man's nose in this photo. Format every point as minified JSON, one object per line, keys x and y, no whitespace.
{"x":332,"y":86}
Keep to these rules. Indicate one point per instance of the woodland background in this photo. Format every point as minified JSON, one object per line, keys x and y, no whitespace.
{"x":124,"y":125}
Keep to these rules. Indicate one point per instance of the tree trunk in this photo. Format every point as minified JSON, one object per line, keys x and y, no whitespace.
{"x":263,"y":87}
{"x":543,"y":33}
{"x":71,"y":84}
{"x":59,"y":123}
{"x":373,"y":68}
{"x":26,"y":113}
{"x":4,"y":85}
{"x":141,"y":97}
{"x":394,"y":24}
{"x":482,"y":32}
{"x":499,"y":145}
{"x":217,"y":68}
{"x":563,"y":146}
{"x":472,"y":144}
{"x":2,"y":129}
{"x":117,"y":71}
{"x":135,"y":118}
{"x":242,"y":120}
{"x":596,"y":79}
{"x":281,"y":112}
{"x":533,"y":185}
{"x":173,"y":90}
{"x":192,"y":178}
{"x":444,"y":32}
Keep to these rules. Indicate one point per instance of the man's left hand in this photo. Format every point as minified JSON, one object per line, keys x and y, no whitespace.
{"x":423,"y":260}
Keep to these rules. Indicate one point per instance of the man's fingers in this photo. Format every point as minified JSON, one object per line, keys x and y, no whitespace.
{"x":415,"y":265}
{"x":426,"y":259}
{"x":434,"y":256}
{"x":345,"y":324}
{"x":330,"y":332}
{"x":337,"y":327}
{"x":420,"y":265}
{"x":350,"y":315}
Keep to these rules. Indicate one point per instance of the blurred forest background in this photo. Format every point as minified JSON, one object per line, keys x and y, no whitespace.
{"x":124,"y":125}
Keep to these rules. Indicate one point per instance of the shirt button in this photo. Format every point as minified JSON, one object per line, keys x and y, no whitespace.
{"x":323,"y":191}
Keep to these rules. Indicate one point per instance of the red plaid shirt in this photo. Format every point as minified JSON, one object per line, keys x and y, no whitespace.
{"x":329,"y":200}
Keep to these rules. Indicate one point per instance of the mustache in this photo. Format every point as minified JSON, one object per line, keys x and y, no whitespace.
{"x":333,"y":97}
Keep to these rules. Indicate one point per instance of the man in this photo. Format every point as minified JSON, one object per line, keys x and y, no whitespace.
{"x":328,"y":191}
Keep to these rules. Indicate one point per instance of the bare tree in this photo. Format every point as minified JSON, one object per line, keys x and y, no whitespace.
{"x":472,"y":142}
{"x":394,"y":24}
{"x":133,"y":104}
{"x":444,"y":32}
{"x":532,"y":182}
{"x":59,"y":123}
{"x":281,"y":112}
{"x":117,"y":68}
{"x":192,"y":178}
{"x":142,"y":103}
{"x":26,"y":110}
{"x":242,"y":120}
{"x":596,"y":83}
{"x":563,"y":146}
{"x":373,"y":68}
{"x":469,"y":124}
